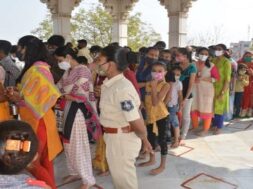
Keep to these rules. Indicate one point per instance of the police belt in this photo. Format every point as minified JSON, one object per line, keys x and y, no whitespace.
{"x":127,"y":129}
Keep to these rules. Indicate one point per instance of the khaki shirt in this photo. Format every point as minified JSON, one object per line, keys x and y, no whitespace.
{"x":119,"y":103}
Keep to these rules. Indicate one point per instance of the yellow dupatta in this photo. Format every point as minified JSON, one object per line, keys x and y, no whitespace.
{"x":40,"y":95}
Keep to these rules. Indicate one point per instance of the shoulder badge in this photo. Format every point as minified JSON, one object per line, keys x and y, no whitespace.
{"x":127,"y":105}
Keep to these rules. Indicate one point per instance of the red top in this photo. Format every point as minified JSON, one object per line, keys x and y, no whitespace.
{"x":130,"y":75}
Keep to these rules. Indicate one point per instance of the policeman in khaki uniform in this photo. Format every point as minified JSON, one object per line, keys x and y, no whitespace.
{"x":124,"y":128}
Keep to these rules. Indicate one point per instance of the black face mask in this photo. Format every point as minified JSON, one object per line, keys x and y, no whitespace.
{"x":20,"y":56}
{"x":149,"y":61}
{"x":165,"y":61}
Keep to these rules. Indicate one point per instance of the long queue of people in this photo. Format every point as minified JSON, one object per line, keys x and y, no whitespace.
{"x":122,"y":100}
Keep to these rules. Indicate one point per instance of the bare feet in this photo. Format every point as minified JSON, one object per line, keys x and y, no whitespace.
{"x":156,"y":171}
{"x":84,"y":186}
{"x":103,"y":174}
{"x":181,"y":142}
{"x":175,"y":145}
{"x":70,"y":178}
{"x":193,"y":129}
{"x":141,"y":156}
{"x":97,"y":186}
{"x":202,"y":133}
{"x":217,"y":131}
{"x":148,"y":163}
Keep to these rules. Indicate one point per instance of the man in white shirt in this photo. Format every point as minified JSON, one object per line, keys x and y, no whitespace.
{"x":83,"y":50}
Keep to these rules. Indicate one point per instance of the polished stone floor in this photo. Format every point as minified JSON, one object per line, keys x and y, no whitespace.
{"x":224,"y":161}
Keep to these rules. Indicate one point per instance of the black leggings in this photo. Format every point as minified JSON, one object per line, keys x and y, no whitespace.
{"x":162,"y":135}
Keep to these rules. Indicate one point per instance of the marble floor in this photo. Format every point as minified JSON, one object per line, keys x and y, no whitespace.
{"x":224,"y":161}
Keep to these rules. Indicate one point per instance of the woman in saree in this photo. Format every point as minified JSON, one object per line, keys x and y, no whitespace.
{"x":79,"y":116}
{"x":99,"y":162}
{"x":4,"y":105}
{"x":35,"y":95}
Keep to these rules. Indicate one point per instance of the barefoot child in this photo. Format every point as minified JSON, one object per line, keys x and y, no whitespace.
{"x":175,"y":97}
{"x":241,"y":82}
{"x":157,"y":114}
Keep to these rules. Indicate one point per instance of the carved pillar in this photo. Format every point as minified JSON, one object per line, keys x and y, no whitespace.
{"x":119,"y":9}
{"x":61,"y":14}
{"x":178,"y":14}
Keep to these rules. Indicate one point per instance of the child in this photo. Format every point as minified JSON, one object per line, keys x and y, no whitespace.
{"x":18,"y":148}
{"x":175,"y":97}
{"x":157,"y":114}
{"x":242,"y":81}
{"x":82,"y":60}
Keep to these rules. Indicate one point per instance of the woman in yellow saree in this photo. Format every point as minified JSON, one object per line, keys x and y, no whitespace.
{"x":36,"y":95}
{"x":4,"y":105}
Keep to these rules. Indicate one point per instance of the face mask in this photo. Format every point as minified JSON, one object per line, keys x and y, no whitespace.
{"x":219,"y":53}
{"x":100,"y":71}
{"x":180,"y":59}
{"x":157,"y":76}
{"x":177,"y":59}
{"x":242,"y":72}
{"x":203,"y":58}
{"x":64,"y":65}
{"x":20,"y":56}
{"x":51,"y":51}
{"x":177,"y":78}
{"x":149,"y":61}
{"x":247,"y":59}
{"x":193,"y":54}
{"x":165,"y":61}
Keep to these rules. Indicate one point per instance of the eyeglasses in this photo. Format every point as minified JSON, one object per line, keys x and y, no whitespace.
{"x":103,"y":64}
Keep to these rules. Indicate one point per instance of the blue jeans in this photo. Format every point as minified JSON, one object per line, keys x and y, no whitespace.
{"x":238,"y":103}
{"x":173,"y":119}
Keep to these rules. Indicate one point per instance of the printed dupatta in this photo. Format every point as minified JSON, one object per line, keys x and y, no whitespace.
{"x":77,"y":83}
{"x":91,"y":119}
{"x":38,"y":89}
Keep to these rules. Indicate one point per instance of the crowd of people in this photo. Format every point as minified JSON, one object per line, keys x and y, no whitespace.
{"x":130,"y":104}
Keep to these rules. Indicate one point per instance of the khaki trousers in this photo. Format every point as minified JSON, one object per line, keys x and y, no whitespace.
{"x":122,"y":149}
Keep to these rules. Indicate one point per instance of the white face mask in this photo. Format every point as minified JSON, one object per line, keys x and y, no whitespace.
{"x":177,"y":78}
{"x":64,"y":65}
{"x":203,"y":58}
{"x":100,"y":71}
{"x":218,"y":53}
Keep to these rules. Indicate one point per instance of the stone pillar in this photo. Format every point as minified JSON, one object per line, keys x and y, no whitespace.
{"x":178,"y":14}
{"x":177,"y":29}
{"x":61,"y":14}
{"x":119,"y":31}
{"x":119,"y":9}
